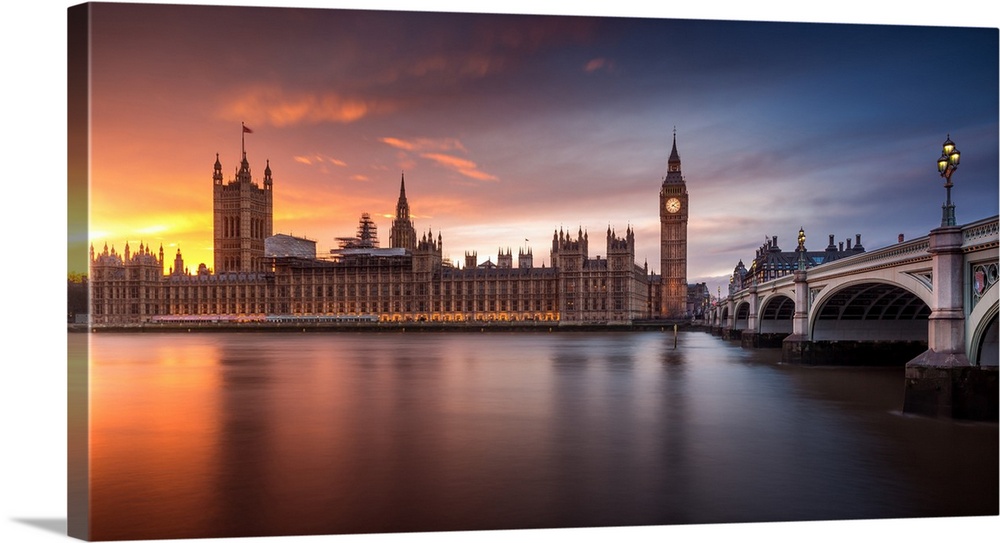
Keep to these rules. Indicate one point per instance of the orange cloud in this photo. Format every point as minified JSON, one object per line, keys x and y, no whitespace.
{"x":449,"y":161}
{"x":398,"y":143}
{"x":460,"y":165}
{"x":274,"y":106}
{"x":319,"y":159}
{"x":424,"y":144}
{"x":431,"y":149}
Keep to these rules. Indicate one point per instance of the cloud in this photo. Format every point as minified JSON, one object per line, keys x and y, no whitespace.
{"x":460,"y":165}
{"x":598,"y":64}
{"x":424,"y":144}
{"x":471,"y":48}
{"x":451,"y":162}
{"x":398,"y":143}
{"x":277,"y":107}
{"x":319,"y":159}
{"x":431,"y":149}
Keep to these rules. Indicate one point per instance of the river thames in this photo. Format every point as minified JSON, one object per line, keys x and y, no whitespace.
{"x":255,"y":434}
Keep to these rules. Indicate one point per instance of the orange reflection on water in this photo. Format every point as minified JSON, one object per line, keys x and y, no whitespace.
{"x":154,"y":426}
{"x":233,"y":434}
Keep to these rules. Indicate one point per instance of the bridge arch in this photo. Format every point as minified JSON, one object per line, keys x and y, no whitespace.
{"x":870,"y":310}
{"x":776,"y":313}
{"x":982,"y":346}
{"x":742,"y":320}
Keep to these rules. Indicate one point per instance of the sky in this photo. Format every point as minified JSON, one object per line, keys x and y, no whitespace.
{"x":511,"y":127}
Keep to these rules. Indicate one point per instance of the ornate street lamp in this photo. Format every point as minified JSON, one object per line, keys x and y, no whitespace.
{"x":947,"y":165}
{"x":802,"y":249}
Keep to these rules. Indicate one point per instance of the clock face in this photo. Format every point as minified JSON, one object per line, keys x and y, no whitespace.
{"x":673,"y":205}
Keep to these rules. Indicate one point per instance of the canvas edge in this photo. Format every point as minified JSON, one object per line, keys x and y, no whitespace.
{"x":78,"y":187}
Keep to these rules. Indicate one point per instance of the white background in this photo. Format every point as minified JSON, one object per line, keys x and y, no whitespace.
{"x":33,"y":162}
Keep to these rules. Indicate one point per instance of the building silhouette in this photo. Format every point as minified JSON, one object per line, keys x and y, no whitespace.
{"x":242,"y":217}
{"x":262,"y":277}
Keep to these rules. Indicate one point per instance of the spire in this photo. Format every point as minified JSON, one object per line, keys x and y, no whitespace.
{"x":674,"y":157}
{"x":674,"y":162}
{"x":402,"y":206}
{"x":217,"y":171}
{"x":403,"y":235}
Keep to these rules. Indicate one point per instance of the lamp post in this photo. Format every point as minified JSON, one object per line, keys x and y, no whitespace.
{"x":947,"y":165}
{"x":802,"y":249}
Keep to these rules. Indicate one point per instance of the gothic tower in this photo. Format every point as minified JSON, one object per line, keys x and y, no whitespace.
{"x":403,"y":234}
{"x":243,"y":217}
{"x":673,"y":238}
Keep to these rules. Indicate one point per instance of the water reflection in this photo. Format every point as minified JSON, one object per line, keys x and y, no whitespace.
{"x":213,"y":435}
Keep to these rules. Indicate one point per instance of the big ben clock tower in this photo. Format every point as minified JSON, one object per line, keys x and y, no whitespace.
{"x":673,"y":239}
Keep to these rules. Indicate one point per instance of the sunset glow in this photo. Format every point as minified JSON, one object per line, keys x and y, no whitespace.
{"x":511,"y":127}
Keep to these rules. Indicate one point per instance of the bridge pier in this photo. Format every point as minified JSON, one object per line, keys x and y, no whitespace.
{"x":937,"y":389}
{"x":770,"y":340}
{"x":797,"y":350}
{"x":762,"y":340}
{"x":752,"y":327}
{"x":940,"y":382}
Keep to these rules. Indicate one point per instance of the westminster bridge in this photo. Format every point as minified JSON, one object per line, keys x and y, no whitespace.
{"x":930,"y":303}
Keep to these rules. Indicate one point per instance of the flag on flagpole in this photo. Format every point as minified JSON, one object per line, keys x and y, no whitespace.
{"x":246,"y":130}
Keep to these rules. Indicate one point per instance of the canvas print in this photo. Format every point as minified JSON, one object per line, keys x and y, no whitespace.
{"x":330,"y":271}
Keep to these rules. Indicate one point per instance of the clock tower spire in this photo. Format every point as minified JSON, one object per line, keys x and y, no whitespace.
{"x":673,"y":239}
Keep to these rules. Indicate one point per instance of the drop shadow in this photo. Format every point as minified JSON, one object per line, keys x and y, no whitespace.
{"x":56,"y":525}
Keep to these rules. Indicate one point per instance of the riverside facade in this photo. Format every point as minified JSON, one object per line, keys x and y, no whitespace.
{"x":409,"y":282}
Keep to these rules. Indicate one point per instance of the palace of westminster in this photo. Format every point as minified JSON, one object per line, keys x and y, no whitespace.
{"x":258,"y":276}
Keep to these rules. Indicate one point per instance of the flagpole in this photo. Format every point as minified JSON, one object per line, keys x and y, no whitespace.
{"x":243,"y":138}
